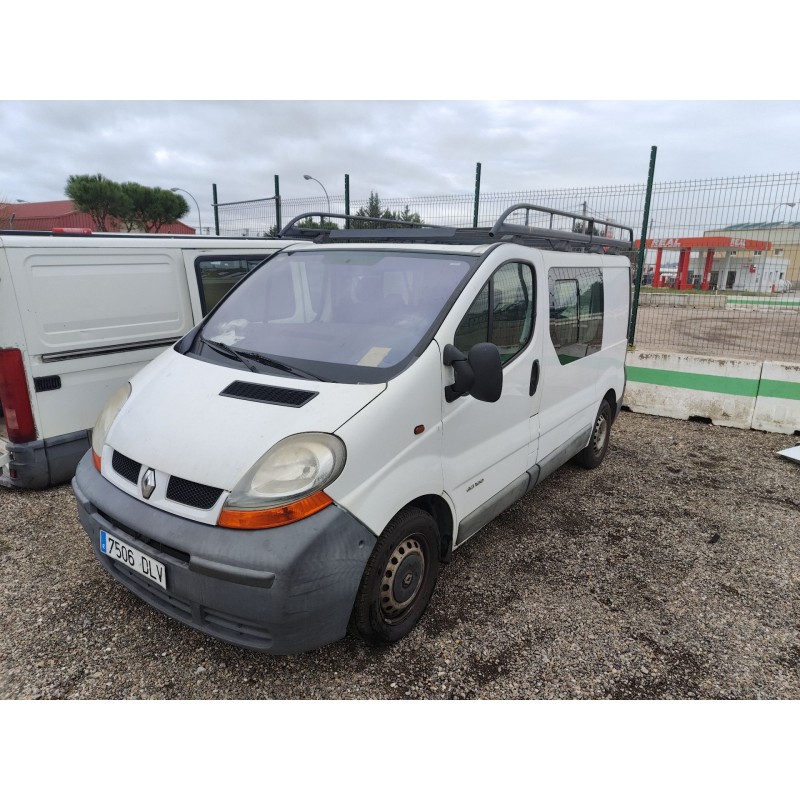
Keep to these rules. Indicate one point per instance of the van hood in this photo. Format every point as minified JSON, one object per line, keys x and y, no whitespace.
{"x":178,"y":420}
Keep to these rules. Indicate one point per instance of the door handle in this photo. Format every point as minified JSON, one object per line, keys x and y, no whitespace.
{"x":534,"y":377}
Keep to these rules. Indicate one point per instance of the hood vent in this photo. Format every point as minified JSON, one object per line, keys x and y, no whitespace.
{"x":274,"y":395}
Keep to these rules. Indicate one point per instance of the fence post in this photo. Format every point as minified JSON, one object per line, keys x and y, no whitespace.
{"x":216,"y":208}
{"x":278,"y":204}
{"x":347,"y":200}
{"x":642,"y":247}
{"x":477,"y":194}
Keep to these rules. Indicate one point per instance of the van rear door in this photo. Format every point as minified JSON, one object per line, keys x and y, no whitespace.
{"x":92,"y":317}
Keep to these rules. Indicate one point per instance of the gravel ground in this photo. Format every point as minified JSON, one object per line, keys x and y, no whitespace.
{"x":672,"y":571}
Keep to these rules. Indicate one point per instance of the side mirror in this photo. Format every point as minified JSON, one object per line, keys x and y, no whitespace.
{"x":480,"y":373}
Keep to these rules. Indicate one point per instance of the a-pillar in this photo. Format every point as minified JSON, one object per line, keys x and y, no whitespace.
{"x":707,"y":269}
{"x":657,"y":270}
{"x":683,"y":269}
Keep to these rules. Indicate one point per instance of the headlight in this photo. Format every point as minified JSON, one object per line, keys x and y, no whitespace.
{"x":106,"y":420}
{"x":295,"y":468}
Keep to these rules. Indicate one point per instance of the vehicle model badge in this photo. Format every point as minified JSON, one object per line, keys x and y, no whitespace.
{"x":148,"y":483}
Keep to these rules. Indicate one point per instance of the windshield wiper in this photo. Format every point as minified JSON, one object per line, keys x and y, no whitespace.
{"x":227,"y":350}
{"x":271,"y":362}
{"x":245,"y":356}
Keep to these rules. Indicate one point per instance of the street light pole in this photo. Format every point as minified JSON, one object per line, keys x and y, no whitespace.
{"x":199,"y":220}
{"x":791,"y":205}
{"x":309,"y":178}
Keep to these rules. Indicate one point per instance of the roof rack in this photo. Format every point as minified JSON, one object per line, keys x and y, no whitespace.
{"x":582,"y":234}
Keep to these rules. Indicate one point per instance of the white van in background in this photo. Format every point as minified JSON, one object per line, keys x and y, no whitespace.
{"x":352,"y":412}
{"x":79,"y":315}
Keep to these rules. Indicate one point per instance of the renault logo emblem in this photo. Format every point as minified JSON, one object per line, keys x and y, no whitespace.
{"x":148,"y":483}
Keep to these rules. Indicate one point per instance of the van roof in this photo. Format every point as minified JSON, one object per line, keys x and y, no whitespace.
{"x":56,"y":239}
{"x":553,"y":229}
{"x":461,"y":249}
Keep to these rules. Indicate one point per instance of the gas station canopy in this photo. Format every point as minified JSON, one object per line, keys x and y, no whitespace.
{"x":688,"y":243}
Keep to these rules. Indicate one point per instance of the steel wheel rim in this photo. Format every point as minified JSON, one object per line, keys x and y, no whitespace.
{"x":403,"y":577}
{"x":600,"y":433}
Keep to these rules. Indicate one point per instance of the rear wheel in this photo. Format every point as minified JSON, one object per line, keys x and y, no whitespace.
{"x":593,"y":454}
{"x":399,"y":578}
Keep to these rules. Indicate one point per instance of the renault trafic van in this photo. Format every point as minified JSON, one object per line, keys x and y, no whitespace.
{"x":304,"y":460}
{"x":80,"y":313}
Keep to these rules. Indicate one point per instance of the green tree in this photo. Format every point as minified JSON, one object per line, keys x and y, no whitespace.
{"x":149,"y":209}
{"x":134,"y":211}
{"x":408,"y":216}
{"x":5,"y":213}
{"x":97,"y":196}
{"x":324,"y":225}
{"x":136,"y":207}
{"x":166,"y":207}
{"x":374,"y":209}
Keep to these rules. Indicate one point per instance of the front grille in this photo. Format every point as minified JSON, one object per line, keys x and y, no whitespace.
{"x":127,"y":467}
{"x":190,"y":493}
{"x":274,"y":395}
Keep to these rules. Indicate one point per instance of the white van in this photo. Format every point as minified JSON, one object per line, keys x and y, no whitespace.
{"x":353,"y":411}
{"x":80,"y":314}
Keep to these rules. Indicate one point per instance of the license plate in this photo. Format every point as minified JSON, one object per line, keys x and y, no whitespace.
{"x":133,"y":558}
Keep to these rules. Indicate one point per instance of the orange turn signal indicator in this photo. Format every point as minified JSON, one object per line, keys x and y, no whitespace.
{"x":273,"y":517}
{"x":96,"y":459}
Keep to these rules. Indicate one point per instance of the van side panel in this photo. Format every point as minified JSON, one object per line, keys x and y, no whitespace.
{"x":616,"y":280}
{"x":88,"y":299}
{"x":572,"y":391}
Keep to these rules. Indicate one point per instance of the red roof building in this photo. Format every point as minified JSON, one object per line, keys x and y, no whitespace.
{"x":60,"y":214}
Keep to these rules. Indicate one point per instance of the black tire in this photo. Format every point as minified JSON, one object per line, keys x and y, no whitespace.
{"x":399,"y":578}
{"x":593,"y":454}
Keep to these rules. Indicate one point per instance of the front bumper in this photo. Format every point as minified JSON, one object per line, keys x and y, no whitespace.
{"x":283,"y":590}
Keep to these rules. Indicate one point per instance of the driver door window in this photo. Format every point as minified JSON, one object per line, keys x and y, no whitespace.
{"x":502,"y":313}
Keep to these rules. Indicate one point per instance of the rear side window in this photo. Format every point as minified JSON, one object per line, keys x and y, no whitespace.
{"x":216,"y":276}
{"x":576,"y":311}
{"x":502,"y":313}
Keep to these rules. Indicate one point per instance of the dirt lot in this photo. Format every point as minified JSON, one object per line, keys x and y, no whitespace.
{"x":758,"y":333}
{"x":672,"y":571}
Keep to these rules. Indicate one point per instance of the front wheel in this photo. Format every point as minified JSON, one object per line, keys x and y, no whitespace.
{"x":399,"y":578}
{"x":593,"y":454}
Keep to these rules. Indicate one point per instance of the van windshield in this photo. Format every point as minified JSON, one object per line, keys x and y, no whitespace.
{"x":342,"y":315}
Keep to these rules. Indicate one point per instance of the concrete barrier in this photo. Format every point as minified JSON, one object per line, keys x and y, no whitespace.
{"x":723,"y":390}
{"x":736,"y":393}
{"x":778,"y":401}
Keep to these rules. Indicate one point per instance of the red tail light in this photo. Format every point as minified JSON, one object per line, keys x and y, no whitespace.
{"x":15,"y":399}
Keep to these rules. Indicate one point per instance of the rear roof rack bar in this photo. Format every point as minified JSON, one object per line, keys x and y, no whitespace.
{"x":590,"y":238}
{"x":549,"y":238}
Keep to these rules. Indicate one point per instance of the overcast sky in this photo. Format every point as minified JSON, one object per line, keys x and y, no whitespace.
{"x":397,"y":148}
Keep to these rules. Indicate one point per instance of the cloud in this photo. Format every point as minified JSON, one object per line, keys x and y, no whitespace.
{"x":398,"y":148}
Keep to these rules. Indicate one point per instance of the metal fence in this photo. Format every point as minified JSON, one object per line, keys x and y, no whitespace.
{"x":721,"y":268}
